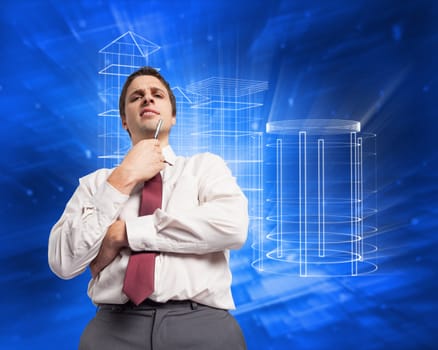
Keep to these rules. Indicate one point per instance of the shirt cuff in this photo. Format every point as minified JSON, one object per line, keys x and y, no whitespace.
{"x":141,"y":233}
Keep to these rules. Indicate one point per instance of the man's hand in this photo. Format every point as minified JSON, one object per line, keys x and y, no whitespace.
{"x":141,"y":163}
{"x":115,"y":239}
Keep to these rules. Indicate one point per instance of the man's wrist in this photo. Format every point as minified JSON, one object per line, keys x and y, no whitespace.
{"x":122,"y":180}
{"x":117,"y":237}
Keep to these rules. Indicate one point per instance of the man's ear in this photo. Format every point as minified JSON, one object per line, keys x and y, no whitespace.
{"x":124,"y":125}
{"x":173,"y":120}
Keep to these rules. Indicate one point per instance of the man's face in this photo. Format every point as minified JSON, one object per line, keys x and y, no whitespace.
{"x":147,"y":101}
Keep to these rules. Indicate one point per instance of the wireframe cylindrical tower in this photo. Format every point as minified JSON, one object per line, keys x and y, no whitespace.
{"x":322,"y":209}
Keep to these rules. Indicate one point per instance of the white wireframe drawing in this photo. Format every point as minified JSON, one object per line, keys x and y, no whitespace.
{"x":325,"y":219}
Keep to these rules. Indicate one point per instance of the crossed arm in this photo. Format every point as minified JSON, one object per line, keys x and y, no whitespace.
{"x":133,"y":169}
{"x":114,"y":240}
{"x":91,"y":233}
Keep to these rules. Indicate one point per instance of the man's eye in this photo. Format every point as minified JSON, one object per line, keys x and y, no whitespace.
{"x":159,"y":95}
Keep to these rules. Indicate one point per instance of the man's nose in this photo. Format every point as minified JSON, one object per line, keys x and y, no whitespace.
{"x":147,"y":99}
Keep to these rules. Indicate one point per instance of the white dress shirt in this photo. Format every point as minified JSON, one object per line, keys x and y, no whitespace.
{"x":203,"y":215}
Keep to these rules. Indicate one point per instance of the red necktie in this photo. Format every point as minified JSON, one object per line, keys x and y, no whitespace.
{"x":139,"y":276}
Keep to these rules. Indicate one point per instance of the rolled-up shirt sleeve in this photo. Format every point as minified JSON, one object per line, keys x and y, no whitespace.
{"x":76,"y":238}
{"x":207,"y":212}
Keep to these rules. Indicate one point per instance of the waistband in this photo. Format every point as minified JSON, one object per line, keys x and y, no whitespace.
{"x":150,"y":304}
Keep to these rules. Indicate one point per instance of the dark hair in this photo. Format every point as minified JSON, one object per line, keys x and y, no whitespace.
{"x":145,"y":71}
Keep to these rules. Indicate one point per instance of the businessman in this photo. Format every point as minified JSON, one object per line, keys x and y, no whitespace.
{"x":155,"y":233}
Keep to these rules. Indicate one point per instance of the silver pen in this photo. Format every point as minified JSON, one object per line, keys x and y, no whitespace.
{"x":157,"y":130}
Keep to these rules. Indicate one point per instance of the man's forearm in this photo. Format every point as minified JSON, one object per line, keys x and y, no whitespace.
{"x":122,"y":180}
{"x":115,"y":239}
{"x":106,"y":255}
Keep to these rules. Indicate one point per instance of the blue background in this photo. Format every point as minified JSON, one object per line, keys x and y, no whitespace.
{"x":373,"y":61}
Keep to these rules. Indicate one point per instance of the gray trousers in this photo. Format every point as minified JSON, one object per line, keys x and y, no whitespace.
{"x":169,"y":326}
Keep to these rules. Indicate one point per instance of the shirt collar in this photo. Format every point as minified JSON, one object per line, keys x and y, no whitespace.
{"x":169,"y":155}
